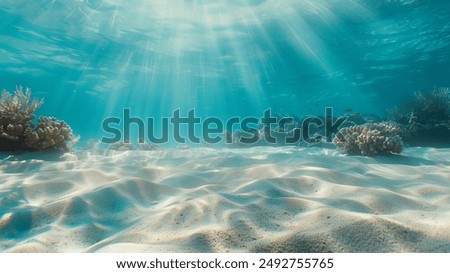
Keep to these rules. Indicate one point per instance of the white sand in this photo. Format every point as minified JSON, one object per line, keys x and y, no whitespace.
{"x":226,"y":200}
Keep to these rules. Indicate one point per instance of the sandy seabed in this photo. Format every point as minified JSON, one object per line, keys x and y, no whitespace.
{"x":260,"y":199}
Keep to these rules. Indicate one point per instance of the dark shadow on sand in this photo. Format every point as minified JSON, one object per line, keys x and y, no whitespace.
{"x":46,"y":156}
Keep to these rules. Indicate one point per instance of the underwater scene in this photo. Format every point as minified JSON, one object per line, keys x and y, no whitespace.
{"x":225,"y":126}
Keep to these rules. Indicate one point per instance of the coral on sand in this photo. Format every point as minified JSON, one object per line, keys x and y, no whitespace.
{"x":370,"y":139}
{"x":50,"y":133}
{"x":17,"y":131}
{"x":149,"y":147}
{"x":122,"y":146}
{"x":126,"y":145}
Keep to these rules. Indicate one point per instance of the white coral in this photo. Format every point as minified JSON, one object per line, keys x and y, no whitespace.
{"x":17,"y":131}
{"x":18,"y":108}
{"x":370,"y":139}
{"x":50,"y":133}
{"x":16,"y":113}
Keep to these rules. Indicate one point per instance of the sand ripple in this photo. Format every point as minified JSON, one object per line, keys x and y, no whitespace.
{"x":226,"y":200}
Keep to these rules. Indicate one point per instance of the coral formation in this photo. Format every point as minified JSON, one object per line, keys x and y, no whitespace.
{"x":425,"y":120}
{"x":50,"y":133}
{"x":16,"y":113}
{"x":149,"y":147}
{"x":17,"y":131}
{"x":122,"y":146}
{"x":370,"y":139}
{"x":432,"y":105}
{"x":18,"y":108}
{"x":126,"y":145}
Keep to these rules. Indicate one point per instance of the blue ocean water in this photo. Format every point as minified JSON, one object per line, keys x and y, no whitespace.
{"x":90,"y":59}
{"x":94,"y":59}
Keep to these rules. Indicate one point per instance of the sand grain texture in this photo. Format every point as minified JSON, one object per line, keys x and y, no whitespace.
{"x":226,"y":200}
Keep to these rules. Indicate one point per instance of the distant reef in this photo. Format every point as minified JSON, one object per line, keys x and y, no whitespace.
{"x":425,"y":119}
{"x":18,"y":132}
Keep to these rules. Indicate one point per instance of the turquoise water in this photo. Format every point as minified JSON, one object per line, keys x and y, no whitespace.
{"x":96,"y":59}
{"x":90,"y":59}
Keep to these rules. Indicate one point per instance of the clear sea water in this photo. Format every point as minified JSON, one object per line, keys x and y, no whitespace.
{"x":90,"y":59}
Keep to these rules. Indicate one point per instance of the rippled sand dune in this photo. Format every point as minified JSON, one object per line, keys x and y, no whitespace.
{"x":226,"y":200}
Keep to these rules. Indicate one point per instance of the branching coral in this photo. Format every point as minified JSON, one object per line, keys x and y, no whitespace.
{"x":18,"y":108}
{"x":426,"y":107}
{"x":370,"y":139}
{"x":17,"y":131}
{"x":425,"y":119}
{"x":16,"y":113}
{"x":433,"y":105}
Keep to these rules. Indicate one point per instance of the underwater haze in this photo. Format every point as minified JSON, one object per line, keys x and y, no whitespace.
{"x":90,"y":59}
{"x":381,"y":66}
